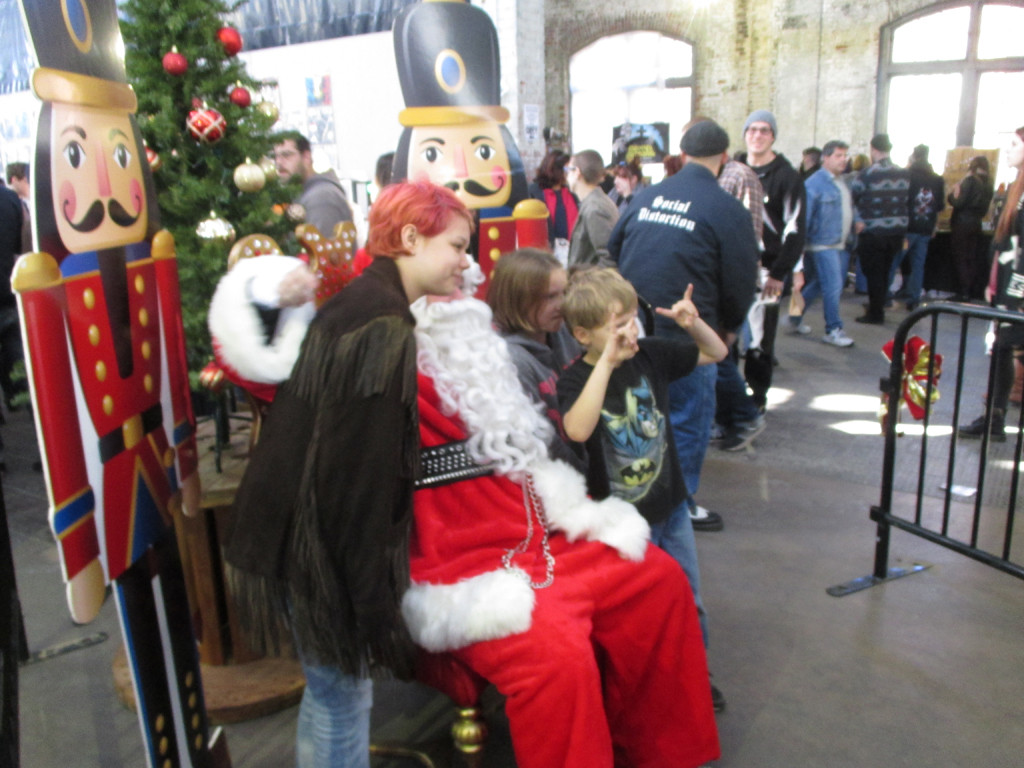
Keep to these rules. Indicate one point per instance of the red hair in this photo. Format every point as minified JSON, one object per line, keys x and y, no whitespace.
{"x":426,"y":206}
{"x":1012,"y":199}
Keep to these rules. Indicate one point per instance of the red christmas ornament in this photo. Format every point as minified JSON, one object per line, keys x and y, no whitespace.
{"x":153,"y":159}
{"x":240,"y":96}
{"x":206,"y":125}
{"x":230,"y":39}
{"x":174,"y":63}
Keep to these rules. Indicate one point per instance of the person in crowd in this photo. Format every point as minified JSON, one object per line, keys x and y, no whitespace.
{"x":597,"y":215}
{"x":829,"y":219}
{"x":382,"y":171}
{"x":615,"y":399}
{"x":810,"y":163}
{"x":782,"y":239}
{"x":1007,"y":293}
{"x":550,"y":186}
{"x":687,"y":230}
{"x":927,"y":200}
{"x":556,"y":599}
{"x":322,"y":196}
{"x":970,"y":199}
{"x":880,"y":199}
{"x":628,"y":178}
{"x":11,"y":218}
{"x":785,"y":214}
{"x":672,"y":164}
{"x":735,"y":410}
{"x":18,"y":180}
{"x":525,"y":294}
{"x":318,"y":554}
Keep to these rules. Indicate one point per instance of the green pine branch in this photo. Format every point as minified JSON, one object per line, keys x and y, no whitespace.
{"x":195,"y":178}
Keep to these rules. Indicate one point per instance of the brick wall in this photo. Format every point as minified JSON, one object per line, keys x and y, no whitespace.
{"x":812,"y":62}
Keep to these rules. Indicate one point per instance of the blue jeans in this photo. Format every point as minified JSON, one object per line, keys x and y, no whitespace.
{"x":334,"y":719}
{"x":917,"y":252}
{"x":734,"y":404}
{"x":675,"y":536}
{"x":691,"y":411}
{"x":825,"y":271}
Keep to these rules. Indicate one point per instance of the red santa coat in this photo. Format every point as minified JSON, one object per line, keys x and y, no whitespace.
{"x":647,"y":702}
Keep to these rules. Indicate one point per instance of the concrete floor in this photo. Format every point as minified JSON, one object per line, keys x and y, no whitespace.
{"x":922,"y":671}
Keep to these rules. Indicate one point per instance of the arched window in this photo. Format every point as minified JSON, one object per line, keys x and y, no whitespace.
{"x":952,"y":75}
{"x":634,"y":79}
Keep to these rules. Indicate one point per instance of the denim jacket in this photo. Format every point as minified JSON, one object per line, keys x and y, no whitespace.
{"x":824,"y":210}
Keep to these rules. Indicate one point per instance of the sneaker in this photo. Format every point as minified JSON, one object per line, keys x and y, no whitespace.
{"x":974,"y":430}
{"x":717,"y":432}
{"x":743,"y":433}
{"x":705,"y":520}
{"x":717,"y":699}
{"x":869,"y":320}
{"x":799,"y":329}
{"x":837,"y":338}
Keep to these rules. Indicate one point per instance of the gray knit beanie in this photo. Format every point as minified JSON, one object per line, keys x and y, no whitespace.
{"x":762,"y":116}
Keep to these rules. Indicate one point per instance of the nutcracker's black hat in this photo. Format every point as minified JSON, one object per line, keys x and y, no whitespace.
{"x":80,"y":53}
{"x":447,"y":56}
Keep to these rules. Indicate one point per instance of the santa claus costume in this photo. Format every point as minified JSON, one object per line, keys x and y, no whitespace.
{"x":590,"y":634}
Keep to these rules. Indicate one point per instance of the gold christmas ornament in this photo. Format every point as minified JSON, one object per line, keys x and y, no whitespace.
{"x":269,"y":168}
{"x":250,"y":177}
{"x":216,"y":228}
{"x":269,"y":109}
{"x":296,"y":212}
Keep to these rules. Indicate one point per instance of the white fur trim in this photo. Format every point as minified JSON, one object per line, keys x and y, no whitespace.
{"x":236,"y":327}
{"x":613,"y":521}
{"x":443,"y":617}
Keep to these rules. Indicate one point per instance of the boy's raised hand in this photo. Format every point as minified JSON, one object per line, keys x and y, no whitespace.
{"x":684,"y":311}
{"x":621,"y":344}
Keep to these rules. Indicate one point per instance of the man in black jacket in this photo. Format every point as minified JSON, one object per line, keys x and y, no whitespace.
{"x":687,"y":230}
{"x":927,"y":199}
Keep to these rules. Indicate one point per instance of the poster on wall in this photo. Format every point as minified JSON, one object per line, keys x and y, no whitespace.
{"x":318,"y":91}
{"x":642,"y":142}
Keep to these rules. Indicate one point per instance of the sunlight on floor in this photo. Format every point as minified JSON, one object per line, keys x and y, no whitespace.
{"x":845,"y":403}
{"x":872,"y":427}
{"x":777,"y":396}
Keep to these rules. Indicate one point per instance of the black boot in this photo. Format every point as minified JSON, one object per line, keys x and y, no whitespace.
{"x":974,"y":430}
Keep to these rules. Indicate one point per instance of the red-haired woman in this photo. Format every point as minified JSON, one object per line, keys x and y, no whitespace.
{"x":550,"y":186}
{"x":319,"y":550}
{"x":628,"y":177}
{"x":1008,"y":271}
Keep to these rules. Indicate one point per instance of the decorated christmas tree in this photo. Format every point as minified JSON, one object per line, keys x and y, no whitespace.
{"x":208,"y":135}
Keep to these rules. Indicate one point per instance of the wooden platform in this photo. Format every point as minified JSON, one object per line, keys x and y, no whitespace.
{"x":234,"y":693}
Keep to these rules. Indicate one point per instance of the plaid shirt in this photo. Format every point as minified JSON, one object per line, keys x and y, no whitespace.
{"x":742,"y":183}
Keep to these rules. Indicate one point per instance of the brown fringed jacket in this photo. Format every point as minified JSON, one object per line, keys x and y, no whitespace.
{"x":319,"y":546}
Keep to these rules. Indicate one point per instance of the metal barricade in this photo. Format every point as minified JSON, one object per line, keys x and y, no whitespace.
{"x":957,"y":492}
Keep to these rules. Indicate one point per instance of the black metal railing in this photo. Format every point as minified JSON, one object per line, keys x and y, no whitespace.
{"x":937,"y":483}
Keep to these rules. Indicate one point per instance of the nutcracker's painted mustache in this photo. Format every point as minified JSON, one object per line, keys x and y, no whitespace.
{"x":95,"y":215}
{"x":474,"y":188}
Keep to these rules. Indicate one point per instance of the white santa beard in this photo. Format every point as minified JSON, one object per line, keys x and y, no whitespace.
{"x":476,"y":379}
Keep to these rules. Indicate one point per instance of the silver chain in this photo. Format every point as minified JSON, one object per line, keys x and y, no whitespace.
{"x":533,"y":506}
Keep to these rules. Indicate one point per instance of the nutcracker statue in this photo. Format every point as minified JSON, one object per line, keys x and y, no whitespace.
{"x":448,"y":67}
{"x":101,"y":318}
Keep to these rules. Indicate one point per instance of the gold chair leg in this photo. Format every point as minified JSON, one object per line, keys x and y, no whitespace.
{"x":469,"y":731}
